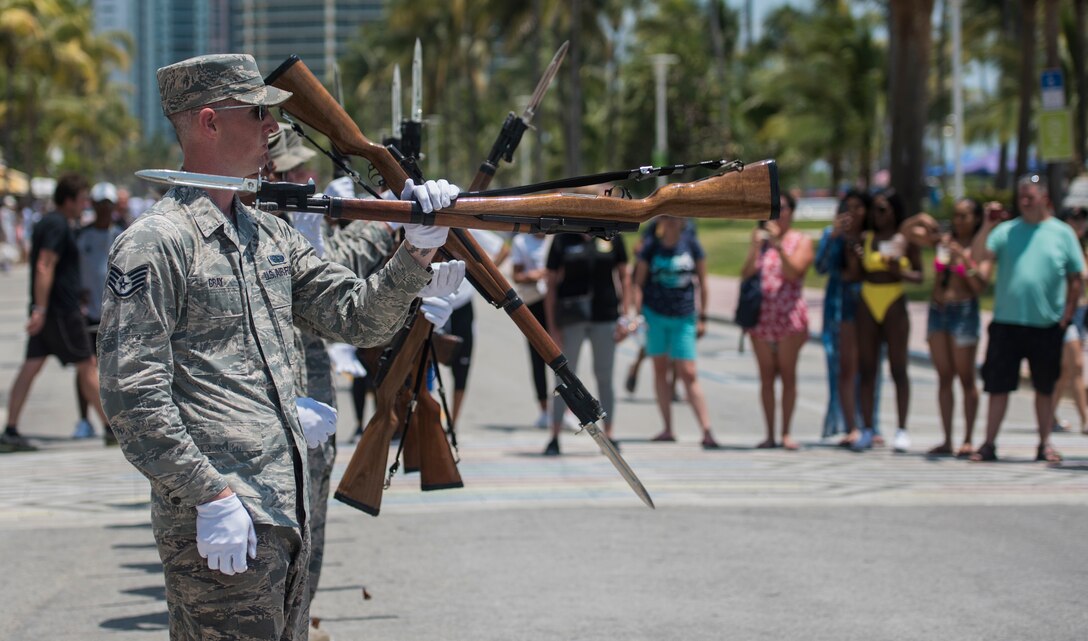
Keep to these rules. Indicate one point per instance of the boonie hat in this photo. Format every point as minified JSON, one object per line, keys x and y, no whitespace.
{"x":204,"y":80}
{"x":103,"y":191}
{"x":286,"y":149}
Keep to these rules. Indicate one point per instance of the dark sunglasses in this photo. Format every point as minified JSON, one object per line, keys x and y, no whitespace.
{"x":259,"y":111}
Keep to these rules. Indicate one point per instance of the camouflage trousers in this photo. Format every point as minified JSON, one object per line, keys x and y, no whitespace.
{"x":320,"y":462}
{"x":267,"y":602}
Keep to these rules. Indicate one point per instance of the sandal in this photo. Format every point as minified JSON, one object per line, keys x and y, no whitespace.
{"x":709,"y":443}
{"x":1047,"y":453}
{"x":944,"y":449}
{"x":985,"y":453}
{"x":664,"y":437}
{"x":965,"y":451}
{"x":767,"y":445}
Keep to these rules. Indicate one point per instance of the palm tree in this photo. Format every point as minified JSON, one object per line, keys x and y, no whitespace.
{"x":910,"y":31}
{"x":1027,"y":82}
{"x":819,"y":87}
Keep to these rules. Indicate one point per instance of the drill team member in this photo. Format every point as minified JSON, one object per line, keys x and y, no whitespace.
{"x":196,"y":357}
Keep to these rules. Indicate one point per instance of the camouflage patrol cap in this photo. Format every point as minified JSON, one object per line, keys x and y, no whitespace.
{"x":204,"y":80}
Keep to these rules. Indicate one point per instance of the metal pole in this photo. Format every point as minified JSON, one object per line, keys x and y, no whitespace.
{"x":661,"y":64}
{"x":957,"y":100}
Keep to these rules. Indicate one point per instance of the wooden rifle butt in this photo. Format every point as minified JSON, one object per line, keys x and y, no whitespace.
{"x":364,"y":478}
{"x":437,"y":467}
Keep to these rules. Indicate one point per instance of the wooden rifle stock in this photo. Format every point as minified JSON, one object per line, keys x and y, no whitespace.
{"x":436,"y":465}
{"x":751,"y":194}
{"x":364,"y":479}
{"x":426,"y":449}
{"x":741,"y":195}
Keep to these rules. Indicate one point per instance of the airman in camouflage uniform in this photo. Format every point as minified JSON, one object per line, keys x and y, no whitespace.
{"x":197,"y":361}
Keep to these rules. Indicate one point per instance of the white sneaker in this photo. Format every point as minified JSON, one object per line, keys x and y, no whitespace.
{"x":864,"y":442}
{"x":901,"y":442}
{"x":542,"y":421}
{"x":84,"y":429}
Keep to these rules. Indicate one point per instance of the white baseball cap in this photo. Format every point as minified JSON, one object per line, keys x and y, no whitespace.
{"x":104,"y":191}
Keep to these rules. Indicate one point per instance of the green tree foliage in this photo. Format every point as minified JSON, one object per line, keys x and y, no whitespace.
{"x":815,"y":90}
{"x":57,"y":93}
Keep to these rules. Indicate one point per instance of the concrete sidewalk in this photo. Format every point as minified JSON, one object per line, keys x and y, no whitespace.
{"x":723,"y":292}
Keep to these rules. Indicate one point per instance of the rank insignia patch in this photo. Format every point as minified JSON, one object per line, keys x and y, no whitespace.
{"x":125,"y":284}
{"x":277,"y":259}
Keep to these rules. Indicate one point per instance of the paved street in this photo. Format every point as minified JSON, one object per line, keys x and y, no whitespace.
{"x":745,"y":544}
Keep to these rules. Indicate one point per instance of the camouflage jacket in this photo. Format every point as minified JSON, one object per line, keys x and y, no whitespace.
{"x":197,"y":354}
{"x":361,"y":247}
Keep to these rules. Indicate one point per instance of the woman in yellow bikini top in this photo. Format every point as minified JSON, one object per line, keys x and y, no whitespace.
{"x":885,"y":259}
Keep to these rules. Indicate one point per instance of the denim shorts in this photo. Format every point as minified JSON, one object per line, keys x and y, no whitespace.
{"x":959,"y":319}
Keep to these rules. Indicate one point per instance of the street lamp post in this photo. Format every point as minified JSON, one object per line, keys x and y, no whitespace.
{"x":661,"y":62}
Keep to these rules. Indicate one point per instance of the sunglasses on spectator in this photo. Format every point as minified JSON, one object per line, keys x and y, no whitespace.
{"x":259,"y":111}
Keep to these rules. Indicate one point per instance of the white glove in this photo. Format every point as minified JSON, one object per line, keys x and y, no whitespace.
{"x":431,"y":196}
{"x":318,"y":420}
{"x":312,"y":227}
{"x":436,"y":309}
{"x":445,"y":279}
{"x":224,"y":534}
{"x":344,"y":360}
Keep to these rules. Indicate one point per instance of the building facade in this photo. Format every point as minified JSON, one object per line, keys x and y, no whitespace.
{"x":166,"y":31}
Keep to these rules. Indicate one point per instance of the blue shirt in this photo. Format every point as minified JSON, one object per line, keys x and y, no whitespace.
{"x":670,"y":289}
{"x":1034,"y":262}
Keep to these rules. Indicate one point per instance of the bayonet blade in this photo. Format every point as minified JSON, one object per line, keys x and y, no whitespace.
{"x":417,"y":83}
{"x":397,"y":115}
{"x":545,"y":82}
{"x":336,"y":84}
{"x":621,"y":465}
{"x":204,"y":181}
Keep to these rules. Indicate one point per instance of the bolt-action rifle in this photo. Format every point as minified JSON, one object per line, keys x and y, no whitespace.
{"x":312,"y":104}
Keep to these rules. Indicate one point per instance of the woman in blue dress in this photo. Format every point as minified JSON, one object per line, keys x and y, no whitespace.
{"x":840,"y":304}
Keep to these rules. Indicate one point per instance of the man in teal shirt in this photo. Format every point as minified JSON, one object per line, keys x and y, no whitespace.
{"x":1039,"y":264}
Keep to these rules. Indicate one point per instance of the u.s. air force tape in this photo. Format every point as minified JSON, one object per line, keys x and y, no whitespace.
{"x":125,"y":284}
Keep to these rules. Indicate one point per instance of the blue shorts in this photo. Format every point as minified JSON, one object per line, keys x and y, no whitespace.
{"x":672,"y":336}
{"x":959,"y":319}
